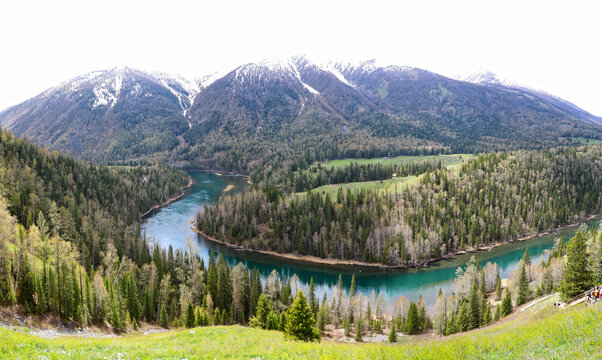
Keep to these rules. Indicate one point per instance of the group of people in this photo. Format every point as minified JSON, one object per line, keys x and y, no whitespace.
{"x":594,"y":295}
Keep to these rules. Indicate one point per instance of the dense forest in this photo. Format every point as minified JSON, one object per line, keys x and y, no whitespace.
{"x":88,"y":205}
{"x":494,"y":197}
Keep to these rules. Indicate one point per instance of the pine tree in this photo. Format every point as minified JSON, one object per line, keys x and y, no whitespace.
{"x":347,"y":326}
{"x":496,"y":317}
{"x":261,"y":313}
{"x":189,"y":316}
{"x":163,"y":318}
{"x":353,"y":288}
{"x":300,"y":322}
{"x":224,"y":285}
{"x":506,"y":305}
{"x":526,"y":258}
{"x":523,"y":286}
{"x":272,"y":321}
{"x":474,"y":307}
{"x":393,"y":333}
{"x":313,"y":302}
{"x":487,"y":316}
{"x":577,"y":276}
{"x":149,"y":312}
{"x":498,"y":287}
{"x":412,"y":323}
{"x":282,"y":323}
{"x":595,"y":261}
{"x":321,"y":322}
{"x":212,"y":276}
{"x":359,"y":326}
{"x":464,"y":318}
{"x":482,"y":286}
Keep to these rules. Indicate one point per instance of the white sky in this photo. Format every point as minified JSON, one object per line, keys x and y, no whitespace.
{"x":549,"y":45}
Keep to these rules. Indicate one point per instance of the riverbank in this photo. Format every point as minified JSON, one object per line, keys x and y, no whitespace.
{"x":170,"y":200}
{"x":309,"y":259}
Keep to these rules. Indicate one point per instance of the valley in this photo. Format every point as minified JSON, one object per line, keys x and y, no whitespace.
{"x":378,"y":202}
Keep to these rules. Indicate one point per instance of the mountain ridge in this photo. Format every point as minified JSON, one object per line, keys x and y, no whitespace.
{"x":283,"y":109}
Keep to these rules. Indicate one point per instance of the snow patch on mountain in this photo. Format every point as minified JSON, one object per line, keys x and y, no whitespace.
{"x":293,"y":66}
{"x":332,"y":68}
{"x":484,"y":77}
{"x":206,"y":80}
{"x":104,"y":96}
{"x":183,"y":89}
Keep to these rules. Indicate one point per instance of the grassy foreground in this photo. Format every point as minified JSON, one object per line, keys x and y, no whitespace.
{"x":540,"y":333}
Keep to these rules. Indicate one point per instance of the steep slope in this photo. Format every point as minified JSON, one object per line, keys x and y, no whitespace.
{"x":114,"y":114}
{"x":487,"y":78}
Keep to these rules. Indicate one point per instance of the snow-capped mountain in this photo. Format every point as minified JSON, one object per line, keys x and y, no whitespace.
{"x":229,"y":120}
{"x":109,"y":114}
{"x":486,"y":77}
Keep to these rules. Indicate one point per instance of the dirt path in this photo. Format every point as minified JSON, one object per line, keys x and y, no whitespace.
{"x":535,"y":302}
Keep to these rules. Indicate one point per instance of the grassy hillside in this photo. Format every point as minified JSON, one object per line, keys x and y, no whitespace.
{"x":538,"y":332}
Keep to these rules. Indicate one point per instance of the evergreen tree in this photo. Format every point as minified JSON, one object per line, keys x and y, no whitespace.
{"x":313,"y":302}
{"x":498,"y":287}
{"x":497,"y":315}
{"x":353,"y":288}
{"x":506,"y":305}
{"x":212,"y":276}
{"x":189,"y":316}
{"x":577,"y":276}
{"x":347,"y":326}
{"x":149,"y":312}
{"x":272,"y":321}
{"x":321,"y":322}
{"x":487,"y":316}
{"x":282,"y":323}
{"x":300,"y":322}
{"x":393,"y":333}
{"x":163,"y":318}
{"x":523,"y":286}
{"x":526,"y":258}
{"x":464,"y":318}
{"x":261,"y":313}
{"x":412,"y":322}
{"x":474,"y":307}
{"x":359,"y":326}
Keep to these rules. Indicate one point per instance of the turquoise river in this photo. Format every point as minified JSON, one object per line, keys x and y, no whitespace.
{"x":171,"y":225}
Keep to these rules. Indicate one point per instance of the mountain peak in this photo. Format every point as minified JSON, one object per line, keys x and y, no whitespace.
{"x":484,"y":76}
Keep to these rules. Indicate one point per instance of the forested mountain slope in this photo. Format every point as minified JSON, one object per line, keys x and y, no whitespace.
{"x":88,"y":205}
